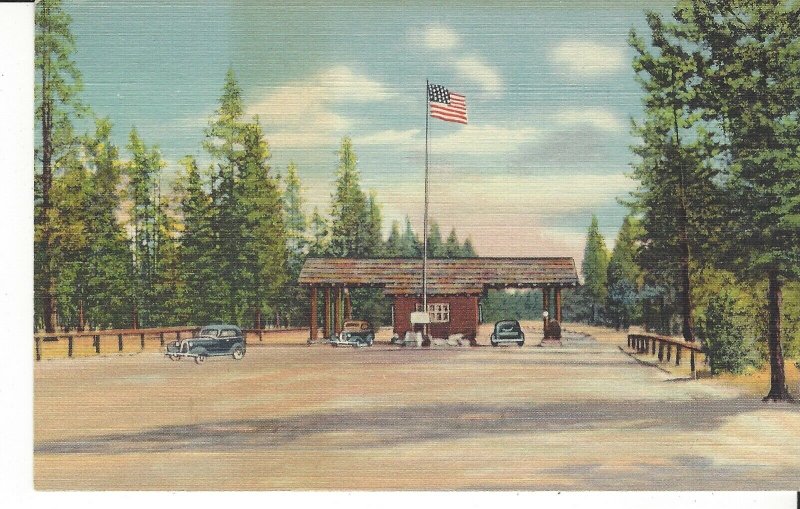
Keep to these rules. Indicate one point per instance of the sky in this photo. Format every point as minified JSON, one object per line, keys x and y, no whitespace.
{"x":549,"y":87}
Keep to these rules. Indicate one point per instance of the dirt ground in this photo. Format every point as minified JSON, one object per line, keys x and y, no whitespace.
{"x":582,"y":416}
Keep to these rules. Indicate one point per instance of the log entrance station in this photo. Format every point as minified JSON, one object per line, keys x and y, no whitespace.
{"x":455,"y":287}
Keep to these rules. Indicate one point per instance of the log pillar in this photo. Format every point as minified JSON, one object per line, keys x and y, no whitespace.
{"x":337,"y":311}
{"x":348,"y":305}
{"x":327,"y":316}
{"x":312,"y":325}
{"x":558,"y":304}
{"x":545,"y":307}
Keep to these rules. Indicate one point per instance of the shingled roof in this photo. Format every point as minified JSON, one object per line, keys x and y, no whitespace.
{"x":403,"y":276}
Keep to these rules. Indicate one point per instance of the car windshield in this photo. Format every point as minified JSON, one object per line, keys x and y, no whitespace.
{"x":212,"y":333}
{"x":507,"y":326}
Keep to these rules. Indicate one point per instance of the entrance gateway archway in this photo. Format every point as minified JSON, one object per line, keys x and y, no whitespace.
{"x":455,"y":287}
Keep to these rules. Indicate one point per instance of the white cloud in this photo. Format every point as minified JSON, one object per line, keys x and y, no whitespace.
{"x":438,"y":37}
{"x":302,"y":114}
{"x":589,"y":58}
{"x":485,"y":139}
{"x":478,"y":70}
{"x":388,"y":137}
{"x":599,"y":118}
{"x":441,"y":37}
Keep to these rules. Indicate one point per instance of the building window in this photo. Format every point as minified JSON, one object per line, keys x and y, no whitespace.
{"x":439,"y":313}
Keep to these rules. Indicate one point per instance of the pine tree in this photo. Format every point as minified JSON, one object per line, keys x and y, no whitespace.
{"x":467,"y":251}
{"x":198,"y":247}
{"x":143,"y":171}
{"x":262,"y":263}
{"x":109,"y":264}
{"x":394,"y":243}
{"x":677,"y":194}
{"x":624,"y":275}
{"x":319,"y":234}
{"x":452,"y":247}
{"x":224,"y":143}
{"x":750,"y":87}
{"x":295,"y":298}
{"x":411,"y":246}
{"x":435,"y":244}
{"x":595,"y":267}
{"x":350,"y":236}
{"x":375,"y":226}
{"x":58,"y":83}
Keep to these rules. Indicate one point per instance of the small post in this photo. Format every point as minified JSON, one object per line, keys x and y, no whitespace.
{"x":119,"y":342}
{"x":669,"y":352}
{"x":38,"y":341}
{"x":97,"y":343}
{"x":629,"y":340}
{"x":161,"y":338}
{"x":692,"y":364}
{"x":141,"y":336}
{"x":260,"y":335}
{"x":69,"y":346}
{"x":178,"y":336}
{"x":312,"y":317}
{"x":654,"y":346}
{"x":677,"y":355}
{"x":660,"y":351}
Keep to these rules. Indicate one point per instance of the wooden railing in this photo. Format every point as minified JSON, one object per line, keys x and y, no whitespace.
{"x":163,"y":334}
{"x":662,"y":346}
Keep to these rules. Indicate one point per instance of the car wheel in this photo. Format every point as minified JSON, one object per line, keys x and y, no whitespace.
{"x":520,"y":343}
{"x":200,"y":358}
{"x":491,"y":340}
{"x":238,"y":353}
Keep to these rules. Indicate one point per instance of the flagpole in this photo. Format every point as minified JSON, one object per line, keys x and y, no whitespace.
{"x":425,"y":216}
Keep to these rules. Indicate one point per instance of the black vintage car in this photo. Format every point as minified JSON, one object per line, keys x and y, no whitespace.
{"x":210,"y":341}
{"x":507,"y":331}
{"x":355,"y":333}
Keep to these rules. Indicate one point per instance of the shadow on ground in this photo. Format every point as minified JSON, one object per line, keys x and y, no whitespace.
{"x":415,"y":424}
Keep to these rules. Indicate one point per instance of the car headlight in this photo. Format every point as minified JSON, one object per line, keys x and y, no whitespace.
{"x":347,"y":335}
{"x":190,"y":344}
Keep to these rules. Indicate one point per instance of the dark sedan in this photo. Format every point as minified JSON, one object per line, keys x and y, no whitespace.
{"x":210,"y":341}
{"x":507,"y":331}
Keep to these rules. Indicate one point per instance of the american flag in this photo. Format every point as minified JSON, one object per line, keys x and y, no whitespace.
{"x":446,"y":105}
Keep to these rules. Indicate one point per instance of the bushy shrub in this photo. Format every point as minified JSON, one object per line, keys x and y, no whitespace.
{"x":728,"y":342}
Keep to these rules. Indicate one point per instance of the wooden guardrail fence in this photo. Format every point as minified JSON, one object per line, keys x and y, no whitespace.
{"x":163,"y":334}
{"x":648,"y":343}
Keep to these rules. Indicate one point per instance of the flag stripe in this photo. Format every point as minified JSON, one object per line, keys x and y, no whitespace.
{"x":446,"y":105}
{"x":445,"y":115}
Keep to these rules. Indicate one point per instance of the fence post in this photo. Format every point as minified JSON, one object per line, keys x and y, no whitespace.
{"x":69,"y":346}
{"x":660,"y":351}
{"x":161,"y":338}
{"x":677,"y":355}
{"x":654,"y":347}
{"x":178,"y":336}
{"x":38,"y":341}
{"x":692,"y":364}
{"x":97,"y":344}
{"x":629,"y":340}
{"x":119,"y":342}
{"x":260,"y":334}
{"x":669,"y":352}
{"x":142,"y":339}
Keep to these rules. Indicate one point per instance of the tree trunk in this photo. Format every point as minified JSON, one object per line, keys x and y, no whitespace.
{"x":81,"y":316}
{"x":685,"y":295}
{"x":134,"y":316}
{"x":49,"y":298}
{"x":778,"y":390}
{"x":257,"y":318}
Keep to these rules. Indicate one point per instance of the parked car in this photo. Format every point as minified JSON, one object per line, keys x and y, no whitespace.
{"x":507,"y":331}
{"x":355,"y":333}
{"x":210,"y":341}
